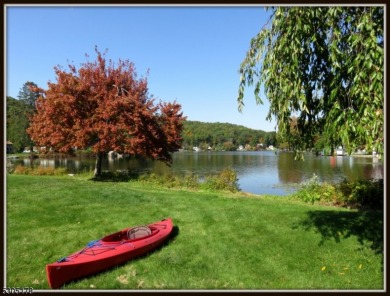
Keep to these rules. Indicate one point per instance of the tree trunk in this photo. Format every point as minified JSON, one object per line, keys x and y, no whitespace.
{"x":32,"y":156}
{"x":98,"y":165}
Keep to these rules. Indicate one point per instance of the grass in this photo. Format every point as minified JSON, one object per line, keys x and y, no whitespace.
{"x":223,"y":240}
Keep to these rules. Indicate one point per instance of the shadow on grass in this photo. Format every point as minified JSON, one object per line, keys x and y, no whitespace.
{"x":172,"y":236}
{"x":367,"y":227}
{"x":118,"y":176}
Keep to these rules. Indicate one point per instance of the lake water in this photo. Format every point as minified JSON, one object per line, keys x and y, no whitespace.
{"x":260,"y":172}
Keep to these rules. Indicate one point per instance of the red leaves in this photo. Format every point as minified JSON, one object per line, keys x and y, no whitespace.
{"x":106,"y":108}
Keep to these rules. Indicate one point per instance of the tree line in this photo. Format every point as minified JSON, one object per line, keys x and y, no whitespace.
{"x":18,"y":116}
{"x":217,"y":136}
{"x":224,"y":136}
{"x":203,"y":135}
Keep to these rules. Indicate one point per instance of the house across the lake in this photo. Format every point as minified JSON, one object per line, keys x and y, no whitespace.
{"x":340,"y":151}
{"x":10,"y":147}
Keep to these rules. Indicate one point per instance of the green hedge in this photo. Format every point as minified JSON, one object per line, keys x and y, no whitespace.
{"x":360,"y":194}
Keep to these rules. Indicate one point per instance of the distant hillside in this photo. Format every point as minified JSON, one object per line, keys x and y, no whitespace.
{"x":223,"y":136}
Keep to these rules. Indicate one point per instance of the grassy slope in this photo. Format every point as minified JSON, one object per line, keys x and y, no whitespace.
{"x":223,"y":241}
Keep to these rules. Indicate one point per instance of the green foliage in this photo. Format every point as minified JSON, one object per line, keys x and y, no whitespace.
{"x":360,"y":194}
{"x":310,"y":190}
{"x":29,"y":96}
{"x":314,"y":191}
{"x":223,"y":136}
{"x":115,"y":176}
{"x":17,"y":122}
{"x":191,"y":181}
{"x":10,"y":167}
{"x":18,"y":113}
{"x":166,"y":180}
{"x":39,"y":171}
{"x":326,"y":66}
{"x":225,"y":180}
{"x":188,"y":181}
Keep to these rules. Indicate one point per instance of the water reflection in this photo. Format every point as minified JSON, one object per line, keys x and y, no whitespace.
{"x":259,"y":172}
{"x":330,"y":168}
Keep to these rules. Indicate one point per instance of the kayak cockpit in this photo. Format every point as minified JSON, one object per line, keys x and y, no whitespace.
{"x":134,"y":233}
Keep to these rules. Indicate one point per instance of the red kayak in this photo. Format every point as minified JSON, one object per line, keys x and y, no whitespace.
{"x":111,"y":250}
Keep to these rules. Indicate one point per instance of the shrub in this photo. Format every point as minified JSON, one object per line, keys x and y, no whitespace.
{"x":167,"y":180}
{"x":116,"y":176}
{"x":224,"y":180}
{"x":10,"y":167}
{"x":361,"y":194}
{"x":314,"y":191}
{"x":191,"y":181}
{"x":22,"y":170}
{"x":50,"y":171}
{"x":310,"y":190}
{"x":40,"y":171}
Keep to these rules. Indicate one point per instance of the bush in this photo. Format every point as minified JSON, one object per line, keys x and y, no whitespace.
{"x":10,"y":167}
{"x":191,"y":181}
{"x":361,"y":194}
{"x":224,"y":180}
{"x":22,"y":170}
{"x":40,"y":171}
{"x":116,"y":176}
{"x":310,"y":190}
{"x":167,"y":180}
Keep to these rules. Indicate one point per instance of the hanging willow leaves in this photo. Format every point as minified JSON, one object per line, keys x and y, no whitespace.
{"x":324,"y":65}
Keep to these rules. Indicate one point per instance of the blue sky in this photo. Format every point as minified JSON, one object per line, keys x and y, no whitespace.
{"x":193,"y":53}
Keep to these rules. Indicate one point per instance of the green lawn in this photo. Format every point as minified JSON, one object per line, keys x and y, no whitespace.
{"x":221,"y":240}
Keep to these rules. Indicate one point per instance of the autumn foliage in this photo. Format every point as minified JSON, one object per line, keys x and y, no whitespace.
{"x":105,"y":107}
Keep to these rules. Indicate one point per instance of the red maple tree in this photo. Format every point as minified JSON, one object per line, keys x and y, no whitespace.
{"x":105,"y":107}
